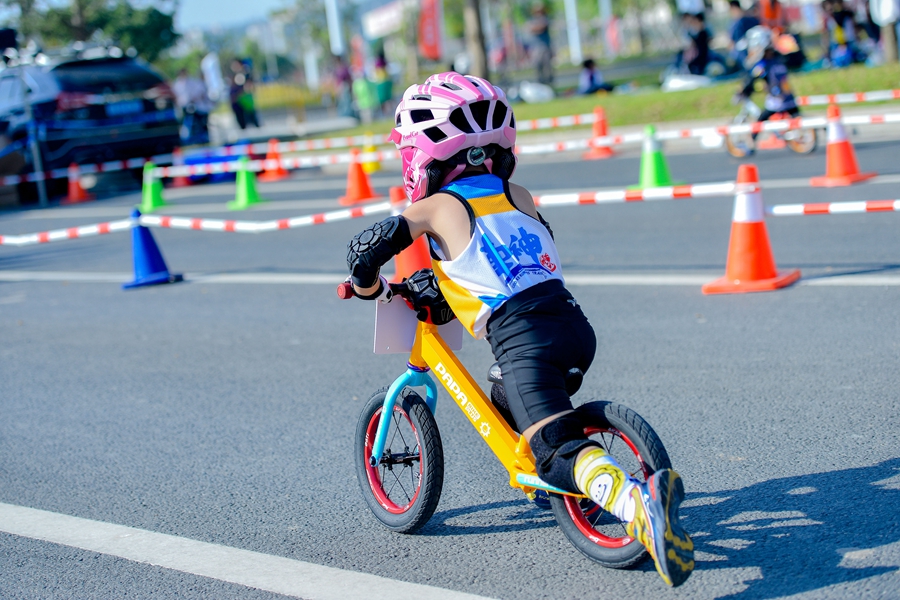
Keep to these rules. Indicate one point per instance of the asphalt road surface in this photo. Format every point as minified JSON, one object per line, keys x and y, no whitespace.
{"x":183,"y":441}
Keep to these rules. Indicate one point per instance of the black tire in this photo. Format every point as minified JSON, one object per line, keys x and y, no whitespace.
{"x":596,"y":533}
{"x":403,"y":490}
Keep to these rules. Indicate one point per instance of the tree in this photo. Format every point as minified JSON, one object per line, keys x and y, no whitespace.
{"x":150,"y":29}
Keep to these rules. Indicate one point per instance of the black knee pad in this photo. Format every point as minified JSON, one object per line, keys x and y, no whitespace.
{"x":555,"y":447}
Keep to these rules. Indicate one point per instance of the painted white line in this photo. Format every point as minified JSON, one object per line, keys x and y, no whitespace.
{"x":573,"y":279}
{"x":277,"y":278}
{"x":233,"y":565}
{"x":12,"y":276}
{"x":853,"y":280}
{"x":641,"y":279}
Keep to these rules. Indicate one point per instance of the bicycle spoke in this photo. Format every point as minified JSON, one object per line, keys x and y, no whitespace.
{"x":396,"y":430}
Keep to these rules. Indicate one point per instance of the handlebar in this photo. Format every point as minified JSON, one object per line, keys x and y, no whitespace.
{"x":345,"y":290}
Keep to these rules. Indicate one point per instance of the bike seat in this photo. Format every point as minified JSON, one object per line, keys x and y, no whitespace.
{"x":574,"y":378}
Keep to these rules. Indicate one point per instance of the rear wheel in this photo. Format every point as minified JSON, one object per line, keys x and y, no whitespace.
{"x":404,"y":487}
{"x":801,"y":141}
{"x":632,"y":442}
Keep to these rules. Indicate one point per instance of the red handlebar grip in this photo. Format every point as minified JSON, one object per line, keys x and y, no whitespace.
{"x":345,"y":291}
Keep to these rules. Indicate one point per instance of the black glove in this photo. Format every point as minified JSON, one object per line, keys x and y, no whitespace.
{"x":426,"y":299}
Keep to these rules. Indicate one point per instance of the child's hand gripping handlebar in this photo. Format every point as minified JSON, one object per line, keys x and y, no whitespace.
{"x":421,"y":293}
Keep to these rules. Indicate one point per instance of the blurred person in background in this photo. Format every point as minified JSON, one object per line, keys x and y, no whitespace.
{"x":541,"y":48}
{"x":839,"y":40}
{"x":765,"y":64}
{"x":365,"y":96}
{"x":192,"y":100}
{"x":696,"y":56}
{"x":590,"y":80}
{"x":240,"y":93}
{"x":741,"y":23}
{"x":771,"y":14}
{"x":343,"y":80}
{"x":384,"y":86}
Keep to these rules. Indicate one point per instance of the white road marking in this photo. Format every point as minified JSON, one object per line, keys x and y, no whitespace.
{"x":573,"y":279}
{"x":242,"y":567}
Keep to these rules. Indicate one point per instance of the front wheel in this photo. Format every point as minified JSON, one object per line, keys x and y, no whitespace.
{"x":404,"y":487}
{"x":801,"y":141}
{"x":626,"y":437}
{"x":740,"y":145}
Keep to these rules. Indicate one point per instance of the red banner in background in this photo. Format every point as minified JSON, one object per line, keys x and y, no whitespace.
{"x":430,"y":22}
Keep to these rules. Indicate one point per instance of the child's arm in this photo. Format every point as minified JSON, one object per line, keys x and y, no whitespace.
{"x":374,"y":246}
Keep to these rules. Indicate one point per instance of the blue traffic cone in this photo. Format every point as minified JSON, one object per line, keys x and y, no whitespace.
{"x":149,"y":266}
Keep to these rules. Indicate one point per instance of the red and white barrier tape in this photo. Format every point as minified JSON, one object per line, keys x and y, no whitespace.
{"x":676,"y":192}
{"x":113,"y":165}
{"x":851,"y":98}
{"x":293,"y":162}
{"x":295,"y":146}
{"x":65,"y":234}
{"x":195,"y":224}
{"x":833,"y":208}
{"x":264,"y":226}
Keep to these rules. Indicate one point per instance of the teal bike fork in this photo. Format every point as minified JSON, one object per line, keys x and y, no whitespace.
{"x":413,"y":377}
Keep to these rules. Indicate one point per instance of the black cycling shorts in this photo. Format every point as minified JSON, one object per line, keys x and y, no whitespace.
{"x":537,"y":336}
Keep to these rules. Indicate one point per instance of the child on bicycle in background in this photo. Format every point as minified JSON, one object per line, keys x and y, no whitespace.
{"x":764,"y":63}
{"x":495,"y":263}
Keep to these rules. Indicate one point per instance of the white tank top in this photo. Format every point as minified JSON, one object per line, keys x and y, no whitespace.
{"x":510,"y":251}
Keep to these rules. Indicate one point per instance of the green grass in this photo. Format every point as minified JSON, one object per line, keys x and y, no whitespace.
{"x":712,"y":102}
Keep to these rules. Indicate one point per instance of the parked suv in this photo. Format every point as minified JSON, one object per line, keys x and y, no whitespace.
{"x":92,"y":106}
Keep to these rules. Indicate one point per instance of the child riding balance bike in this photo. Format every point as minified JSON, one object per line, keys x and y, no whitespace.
{"x":496,"y":269}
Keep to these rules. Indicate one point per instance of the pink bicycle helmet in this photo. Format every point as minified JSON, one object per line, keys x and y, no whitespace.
{"x":449,"y":122}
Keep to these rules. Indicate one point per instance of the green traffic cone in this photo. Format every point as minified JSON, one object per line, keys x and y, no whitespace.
{"x":151,"y":191}
{"x":654,"y":170}
{"x":246,"y":193}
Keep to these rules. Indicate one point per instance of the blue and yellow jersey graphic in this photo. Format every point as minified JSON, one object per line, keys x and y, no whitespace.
{"x":509,"y":252}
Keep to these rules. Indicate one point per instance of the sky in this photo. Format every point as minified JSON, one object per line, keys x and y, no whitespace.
{"x":206,"y":13}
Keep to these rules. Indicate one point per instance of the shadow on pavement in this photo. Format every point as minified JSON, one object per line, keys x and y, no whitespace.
{"x":527,"y":517}
{"x":804,"y":533}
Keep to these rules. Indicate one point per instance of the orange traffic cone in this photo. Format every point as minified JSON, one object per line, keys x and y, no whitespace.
{"x":600,"y":131}
{"x":178,"y":161}
{"x":751,"y":265}
{"x":358,"y":188}
{"x":416,"y":256}
{"x":76,"y":192}
{"x":770,"y":141}
{"x":841,"y":166}
{"x":274,"y":170}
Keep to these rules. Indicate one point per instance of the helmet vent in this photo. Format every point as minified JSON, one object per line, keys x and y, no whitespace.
{"x":451,"y":86}
{"x":421,"y":114}
{"x":480,"y":112}
{"x":499,"y":115}
{"x":512,"y":120}
{"x":458,"y":119}
{"x":421,"y":97}
{"x":435,"y":134}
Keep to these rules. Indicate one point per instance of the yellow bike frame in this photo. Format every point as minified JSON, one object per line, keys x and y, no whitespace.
{"x":430,"y":352}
